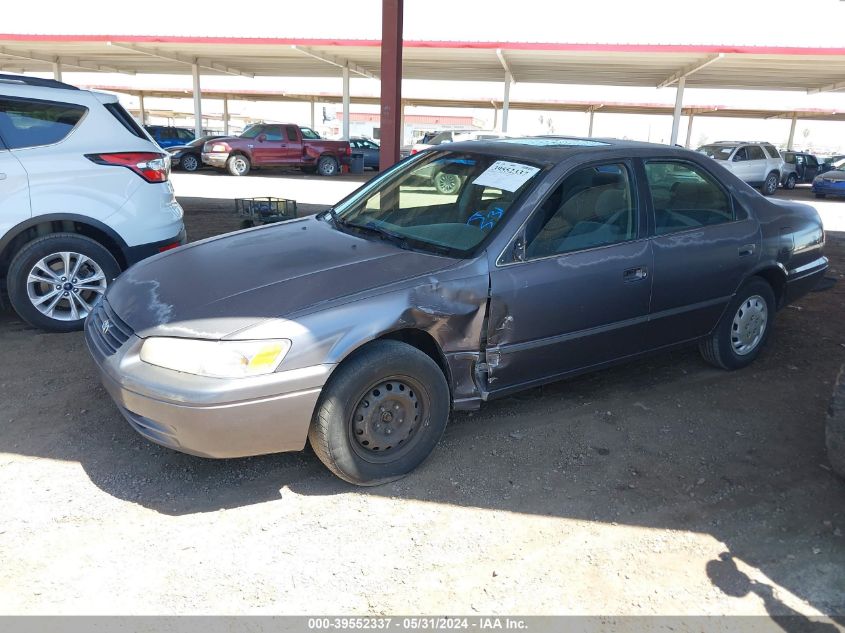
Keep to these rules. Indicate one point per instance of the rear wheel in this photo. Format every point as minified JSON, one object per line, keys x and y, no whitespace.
{"x":381,"y":414}
{"x":55,"y":281}
{"x":327,"y":166}
{"x":744,"y":327}
{"x":238,"y":165}
{"x":770,"y":185}
{"x":790,"y":181}
{"x":189,"y":162}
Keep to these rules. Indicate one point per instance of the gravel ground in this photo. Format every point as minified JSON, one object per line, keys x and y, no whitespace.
{"x":661,"y":487}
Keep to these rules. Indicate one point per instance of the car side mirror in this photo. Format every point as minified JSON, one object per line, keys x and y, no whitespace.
{"x":261,"y":138}
{"x":519,"y":249}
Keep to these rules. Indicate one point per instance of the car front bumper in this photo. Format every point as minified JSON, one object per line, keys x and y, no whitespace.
{"x":829,"y":187}
{"x":215,"y":159}
{"x":208,"y":417}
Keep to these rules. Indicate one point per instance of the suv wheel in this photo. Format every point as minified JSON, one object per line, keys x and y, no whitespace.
{"x":55,"y":281}
{"x":790,"y":181}
{"x":770,"y":185}
{"x":238,"y":165}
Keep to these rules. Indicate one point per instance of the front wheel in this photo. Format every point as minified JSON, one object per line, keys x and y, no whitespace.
{"x":189,"y":162}
{"x":327,"y":166}
{"x":55,"y":281}
{"x":238,"y":165}
{"x":770,"y":185}
{"x":790,"y":181}
{"x":744,"y":327}
{"x":381,"y":414}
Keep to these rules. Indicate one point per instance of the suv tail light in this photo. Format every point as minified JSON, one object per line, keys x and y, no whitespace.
{"x":150,"y":166}
{"x":348,"y":149}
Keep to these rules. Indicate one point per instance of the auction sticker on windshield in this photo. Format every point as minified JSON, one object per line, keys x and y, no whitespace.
{"x":505,"y":175}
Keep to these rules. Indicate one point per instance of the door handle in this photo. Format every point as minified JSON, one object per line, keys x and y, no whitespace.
{"x":748,"y":249}
{"x":635,"y":274}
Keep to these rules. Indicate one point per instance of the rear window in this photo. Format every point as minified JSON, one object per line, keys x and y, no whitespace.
{"x":31,"y":123}
{"x":125,"y":119}
{"x":771,"y":150}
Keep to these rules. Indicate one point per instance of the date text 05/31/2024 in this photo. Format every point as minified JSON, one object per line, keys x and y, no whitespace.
{"x":480,"y":623}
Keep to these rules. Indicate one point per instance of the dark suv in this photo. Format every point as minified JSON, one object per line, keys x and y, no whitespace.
{"x":799,"y":167}
{"x":168,"y":136}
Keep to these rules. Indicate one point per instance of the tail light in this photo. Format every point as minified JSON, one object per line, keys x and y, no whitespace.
{"x":414,"y":151}
{"x":150,"y":166}
{"x":348,"y":150}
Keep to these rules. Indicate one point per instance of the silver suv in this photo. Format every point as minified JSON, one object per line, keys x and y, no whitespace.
{"x":758,"y":164}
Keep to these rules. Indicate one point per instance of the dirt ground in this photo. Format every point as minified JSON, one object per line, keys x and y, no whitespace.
{"x":661,"y":487}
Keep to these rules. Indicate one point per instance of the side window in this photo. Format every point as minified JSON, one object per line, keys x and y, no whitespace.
{"x":27,"y":123}
{"x":771,"y":151}
{"x":685,"y":197}
{"x":811,"y":161}
{"x":741,"y":154}
{"x":291,"y":133}
{"x":592,"y":207}
{"x":789,"y":157}
{"x":755,"y":152}
{"x":273,"y":132}
{"x":168,"y":134}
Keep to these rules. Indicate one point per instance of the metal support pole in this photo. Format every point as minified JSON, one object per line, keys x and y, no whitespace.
{"x":225,"y":115}
{"x":57,"y":69}
{"x":313,"y":115}
{"x":142,"y":108}
{"x":401,"y":123}
{"x":689,"y":129}
{"x":676,"y":116}
{"x":197,"y":100}
{"x":346,"y":116}
{"x":391,"y":81}
{"x":506,"y":101}
{"x":495,"y":118}
{"x":590,"y":129}
{"x":790,"y":144}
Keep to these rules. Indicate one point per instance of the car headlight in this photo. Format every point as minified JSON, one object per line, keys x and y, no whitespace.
{"x":219,"y":148}
{"x":215,"y":359}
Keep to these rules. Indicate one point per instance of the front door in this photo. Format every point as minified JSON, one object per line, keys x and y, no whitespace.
{"x":268,"y":146}
{"x":704,"y":245}
{"x":579,"y":296}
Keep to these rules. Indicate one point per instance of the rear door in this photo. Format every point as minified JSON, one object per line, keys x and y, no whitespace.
{"x":14,"y":187}
{"x":811,"y":168}
{"x":580,"y":295}
{"x":704,"y":244}
{"x":292,"y":149}
{"x":741,"y":165}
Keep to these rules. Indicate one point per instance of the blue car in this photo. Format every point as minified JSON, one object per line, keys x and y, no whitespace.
{"x":168,"y":136}
{"x":830,"y":183}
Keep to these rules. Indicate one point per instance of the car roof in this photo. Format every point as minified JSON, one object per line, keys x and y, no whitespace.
{"x":555,"y":148}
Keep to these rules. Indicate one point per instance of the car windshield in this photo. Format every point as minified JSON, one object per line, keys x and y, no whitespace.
{"x":441,"y":202}
{"x":442,"y":137}
{"x":719,"y":152}
{"x":839,"y":165}
{"x":307,"y":132}
{"x":201,"y":141}
{"x":252,"y":131}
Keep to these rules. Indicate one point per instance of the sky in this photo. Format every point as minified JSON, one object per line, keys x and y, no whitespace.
{"x":726,"y":22}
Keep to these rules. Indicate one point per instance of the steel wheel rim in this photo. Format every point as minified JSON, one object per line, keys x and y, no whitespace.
{"x":240,"y":165}
{"x":189,"y":163}
{"x":65,"y":286}
{"x":447,"y":183}
{"x":388,"y":418}
{"x":749,"y":325}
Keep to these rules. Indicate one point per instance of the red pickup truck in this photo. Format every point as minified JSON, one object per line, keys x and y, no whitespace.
{"x":277,"y":145}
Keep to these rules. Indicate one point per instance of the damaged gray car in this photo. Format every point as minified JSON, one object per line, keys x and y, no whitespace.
{"x":360,"y":329}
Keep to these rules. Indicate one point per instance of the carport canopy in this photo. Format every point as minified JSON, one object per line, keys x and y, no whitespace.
{"x":807,"y":69}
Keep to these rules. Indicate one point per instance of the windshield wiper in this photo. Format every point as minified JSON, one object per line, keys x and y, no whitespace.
{"x":400,"y":240}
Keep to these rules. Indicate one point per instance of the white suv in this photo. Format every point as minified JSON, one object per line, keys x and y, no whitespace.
{"x":84,"y":193}
{"x":758,"y":164}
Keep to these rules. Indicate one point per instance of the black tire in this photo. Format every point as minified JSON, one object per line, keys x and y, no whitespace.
{"x":770,"y":185}
{"x":718,"y":348}
{"x":402,"y":381}
{"x":238,"y":165}
{"x":790,"y":181}
{"x":821,"y":195}
{"x":189,"y":162}
{"x":327,"y":166}
{"x":835,"y":431}
{"x":43,"y":247}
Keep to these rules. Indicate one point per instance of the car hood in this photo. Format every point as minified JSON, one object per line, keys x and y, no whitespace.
{"x":834,"y":174}
{"x":177,"y":148}
{"x":215,"y":288}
